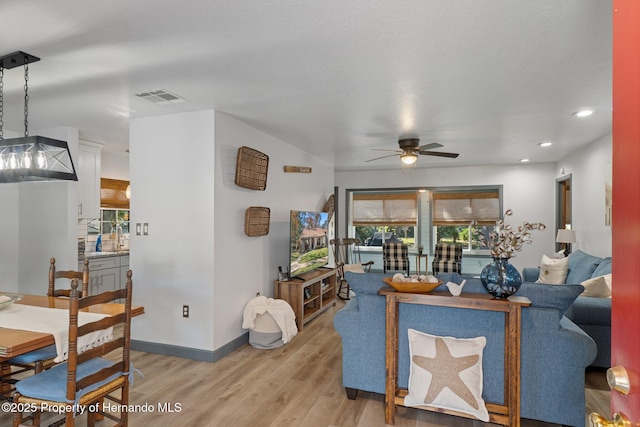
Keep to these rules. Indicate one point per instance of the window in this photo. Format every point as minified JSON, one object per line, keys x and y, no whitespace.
{"x":110,"y":220}
{"x":380,"y":217}
{"x":453,"y":212}
{"x":423,"y":217}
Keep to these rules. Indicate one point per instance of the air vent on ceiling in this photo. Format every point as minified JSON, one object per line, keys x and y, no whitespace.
{"x":161,"y":97}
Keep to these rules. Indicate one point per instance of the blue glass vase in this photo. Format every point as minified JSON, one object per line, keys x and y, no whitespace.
{"x":500,"y":278}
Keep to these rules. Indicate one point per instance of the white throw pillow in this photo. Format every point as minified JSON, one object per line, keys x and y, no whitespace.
{"x":446,"y":373}
{"x":553,"y":271}
{"x":597,"y":287}
{"x":354,"y":268}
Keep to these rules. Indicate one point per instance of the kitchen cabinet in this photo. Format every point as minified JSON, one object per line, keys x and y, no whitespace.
{"x":124,"y":267}
{"x":89,"y":180}
{"x":107,"y":272}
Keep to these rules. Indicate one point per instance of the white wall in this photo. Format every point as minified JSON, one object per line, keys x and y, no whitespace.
{"x":247,"y":265}
{"x":9,"y":230}
{"x":197,"y":252}
{"x":114,"y":165}
{"x":587,"y":168}
{"x":47,"y":223}
{"x":528,"y":190}
{"x":172,"y":186}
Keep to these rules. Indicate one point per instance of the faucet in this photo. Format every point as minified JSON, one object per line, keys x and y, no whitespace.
{"x":118,"y":237}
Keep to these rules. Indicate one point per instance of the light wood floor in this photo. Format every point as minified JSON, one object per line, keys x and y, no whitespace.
{"x":298,"y":384}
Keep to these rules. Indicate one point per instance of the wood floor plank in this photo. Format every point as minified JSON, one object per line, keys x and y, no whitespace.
{"x":299,"y":384}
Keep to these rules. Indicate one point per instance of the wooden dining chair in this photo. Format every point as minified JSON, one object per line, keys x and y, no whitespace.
{"x":42,"y":358}
{"x":69,"y":274}
{"x":86,"y":378}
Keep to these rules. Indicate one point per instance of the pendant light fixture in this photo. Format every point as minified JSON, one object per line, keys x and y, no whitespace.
{"x":30,"y":158}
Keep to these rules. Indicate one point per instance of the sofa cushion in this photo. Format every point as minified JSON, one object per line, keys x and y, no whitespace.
{"x":597,"y":287}
{"x":581,"y":266}
{"x":553,"y":271}
{"x":550,"y":296}
{"x":367,"y":283}
{"x":591,"y":311}
{"x":446,"y":372}
{"x":603,"y":268}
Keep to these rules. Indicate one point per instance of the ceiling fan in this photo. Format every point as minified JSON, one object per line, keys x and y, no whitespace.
{"x":409,"y":151}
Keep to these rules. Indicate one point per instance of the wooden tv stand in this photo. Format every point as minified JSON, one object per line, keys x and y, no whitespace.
{"x":321,"y":290}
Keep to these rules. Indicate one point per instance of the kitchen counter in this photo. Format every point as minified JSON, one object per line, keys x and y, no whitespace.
{"x":93,"y":255}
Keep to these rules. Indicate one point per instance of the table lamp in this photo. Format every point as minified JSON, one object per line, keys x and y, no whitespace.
{"x":567,"y":237}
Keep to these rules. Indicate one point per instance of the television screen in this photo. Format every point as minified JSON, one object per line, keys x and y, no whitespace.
{"x":308,"y":246}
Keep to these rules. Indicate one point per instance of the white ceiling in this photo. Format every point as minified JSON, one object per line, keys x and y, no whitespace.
{"x":490,"y":79}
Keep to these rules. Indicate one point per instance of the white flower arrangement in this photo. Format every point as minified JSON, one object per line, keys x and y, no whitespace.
{"x":504,"y":241}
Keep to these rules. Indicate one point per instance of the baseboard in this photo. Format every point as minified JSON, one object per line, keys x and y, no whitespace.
{"x":188,"y":352}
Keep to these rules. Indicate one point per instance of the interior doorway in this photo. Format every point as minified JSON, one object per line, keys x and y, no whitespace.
{"x":563,"y":213}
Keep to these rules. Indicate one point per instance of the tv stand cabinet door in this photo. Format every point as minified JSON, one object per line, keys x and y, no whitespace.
{"x":292,"y":292}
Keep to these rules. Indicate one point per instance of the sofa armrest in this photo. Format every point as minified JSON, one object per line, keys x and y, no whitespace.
{"x":530,"y":274}
{"x":580,"y":345}
{"x":346,"y":321}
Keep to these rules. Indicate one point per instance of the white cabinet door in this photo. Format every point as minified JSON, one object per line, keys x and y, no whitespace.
{"x":124,"y":267}
{"x":89,"y":180}
{"x":104,"y":280}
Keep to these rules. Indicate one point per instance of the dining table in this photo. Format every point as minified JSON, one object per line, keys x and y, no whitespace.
{"x":14,"y":342}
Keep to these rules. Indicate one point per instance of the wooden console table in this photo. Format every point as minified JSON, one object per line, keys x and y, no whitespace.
{"x":506,"y":414}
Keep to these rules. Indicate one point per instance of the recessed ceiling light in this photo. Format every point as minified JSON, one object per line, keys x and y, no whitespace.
{"x":546,"y":144}
{"x":525,"y":160}
{"x":583,"y":113}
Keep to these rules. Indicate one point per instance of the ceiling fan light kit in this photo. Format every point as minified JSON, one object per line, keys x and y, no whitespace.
{"x":410,"y":149}
{"x":30,"y":158}
{"x":408,"y":157}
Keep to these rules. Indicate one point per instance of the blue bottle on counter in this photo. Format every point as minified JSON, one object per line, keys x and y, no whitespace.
{"x":99,"y":243}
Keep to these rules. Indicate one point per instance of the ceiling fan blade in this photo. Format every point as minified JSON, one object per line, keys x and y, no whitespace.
{"x":430,"y":146}
{"x":386,"y":149}
{"x":383,"y":157}
{"x":439,"y":154}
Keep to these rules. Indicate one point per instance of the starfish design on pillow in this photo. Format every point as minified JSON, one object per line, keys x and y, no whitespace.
{"x":445,"y":372}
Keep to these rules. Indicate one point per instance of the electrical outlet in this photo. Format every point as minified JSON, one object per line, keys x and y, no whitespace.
{"x":185,"y":311}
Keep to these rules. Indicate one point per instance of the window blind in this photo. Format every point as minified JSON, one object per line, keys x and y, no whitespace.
{"x":460,"y":208}
{"x":385,"y":208}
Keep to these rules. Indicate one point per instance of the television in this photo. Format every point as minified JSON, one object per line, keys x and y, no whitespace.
{"x":308,"y":244}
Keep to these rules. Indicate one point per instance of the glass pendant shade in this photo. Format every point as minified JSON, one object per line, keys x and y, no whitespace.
{"x":35,"y":158}
{"x":408,"y":158}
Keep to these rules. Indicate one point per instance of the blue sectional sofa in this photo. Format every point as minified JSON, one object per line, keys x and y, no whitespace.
{"x":592,"y":315}
{"x":555,"y":351}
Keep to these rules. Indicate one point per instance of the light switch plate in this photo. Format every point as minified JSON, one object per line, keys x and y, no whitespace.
{"x":138,"y":229}
{"x":145,"y":228}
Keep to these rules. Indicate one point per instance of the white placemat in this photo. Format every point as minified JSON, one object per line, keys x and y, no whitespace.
{"x":54,"y":321}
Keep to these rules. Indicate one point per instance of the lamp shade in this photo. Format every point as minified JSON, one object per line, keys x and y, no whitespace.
{"x":566,"y":236}
{"x":35,"y":158}
{"x":408,"y":158}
